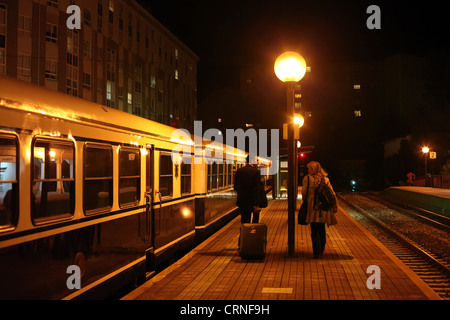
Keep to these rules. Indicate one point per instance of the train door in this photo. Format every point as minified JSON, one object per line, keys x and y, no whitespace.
{"x":146,"y":220}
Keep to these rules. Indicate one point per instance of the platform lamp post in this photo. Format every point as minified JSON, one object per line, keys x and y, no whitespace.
{"x":425,"y":151}
{"x":290,"y":67}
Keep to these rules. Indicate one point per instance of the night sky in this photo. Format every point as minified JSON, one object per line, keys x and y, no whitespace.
{"x":229,"y":36}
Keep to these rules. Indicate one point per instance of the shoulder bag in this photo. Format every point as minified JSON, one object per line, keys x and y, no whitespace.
{"x":262,"y":198}
{"x":303,"y":211}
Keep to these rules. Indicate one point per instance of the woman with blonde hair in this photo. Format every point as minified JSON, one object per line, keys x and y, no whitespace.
{"x":316,"y":217}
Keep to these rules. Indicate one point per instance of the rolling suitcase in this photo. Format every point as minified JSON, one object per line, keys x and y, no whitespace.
{"x":252,"y":241}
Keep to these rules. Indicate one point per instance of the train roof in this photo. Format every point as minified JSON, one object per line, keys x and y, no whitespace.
{"x":32,"y":98}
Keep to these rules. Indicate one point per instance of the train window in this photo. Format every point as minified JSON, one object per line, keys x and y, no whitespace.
{"x":186,"y":175}
{"x":229,"y":174}
{"x":53,"y":183}
{"x":220,"y":175}
{"x":165,"y":175}
{"x":98,"y":178}
{"x":208,"y":178}
{"x":129,"y":176}
{"x":214,"y":176}
{"x":9,"y":193}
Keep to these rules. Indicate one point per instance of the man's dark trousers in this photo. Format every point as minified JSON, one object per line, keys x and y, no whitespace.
{"x":246,"y":215}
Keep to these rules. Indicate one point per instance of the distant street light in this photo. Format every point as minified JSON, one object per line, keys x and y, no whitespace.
{"x":299,"y":120}
{"x":425,"y":151}
{"x":290,"y":67}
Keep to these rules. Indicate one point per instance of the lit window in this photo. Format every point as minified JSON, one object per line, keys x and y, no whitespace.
{"x":186,"y":175}
{"x":109,"y":90}
{"x":53,"y":183}
{"x":98,"y":178}
{"x":357,"y":113}
{"x":9,"y":186}
{"x":129,"y":176}
{"x":165,"y":175}
{"x":356,"y":86}
{"x":176,"y":74}
{"x":152,"y":81}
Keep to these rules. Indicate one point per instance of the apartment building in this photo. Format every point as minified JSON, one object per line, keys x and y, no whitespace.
{"x":120,"y":57}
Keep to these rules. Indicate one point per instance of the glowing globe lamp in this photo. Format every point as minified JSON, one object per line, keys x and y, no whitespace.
{"x":290,"y":67}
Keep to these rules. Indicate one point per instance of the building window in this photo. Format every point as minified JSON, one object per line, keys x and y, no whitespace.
{"x":52,"y":3}
{"x":51,"y":69}
{"x":110,"y":77}
{"x":72,"y":62}
{"x":110,"y":94}
{"x":137,"y":109}
{"x":111,"y":11}
{"x":176,"y":74}
{"x":356,"y":86}
{"x":23,"y":64}
{"x":120,"y":19}
{"x":86,"y":80}
{"x":53,"y":182}
{"x":152,"y":81}
{"x":51,"y":33}
{"x":3,"y":15}
{"x":87,"y":17}
{"x":98,"y":178}
{"x":138,"y":30}
{"x":100,"y":19}
{"x":137,"y":87}
{"x":2,"y":60}
{"x":130,"y":27}
{"x":24,"y":26}
{"x":87,"y":49}
{"x":357,"y":113}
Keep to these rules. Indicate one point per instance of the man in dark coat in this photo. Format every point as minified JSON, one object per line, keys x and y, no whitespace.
{"x":246,"y":184}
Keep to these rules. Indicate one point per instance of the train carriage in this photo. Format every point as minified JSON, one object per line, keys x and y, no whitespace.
{"x":86,"y":185}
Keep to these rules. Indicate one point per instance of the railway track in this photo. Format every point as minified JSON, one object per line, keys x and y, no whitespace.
{"x":431,"y":267}
{"x":435,"y":219}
